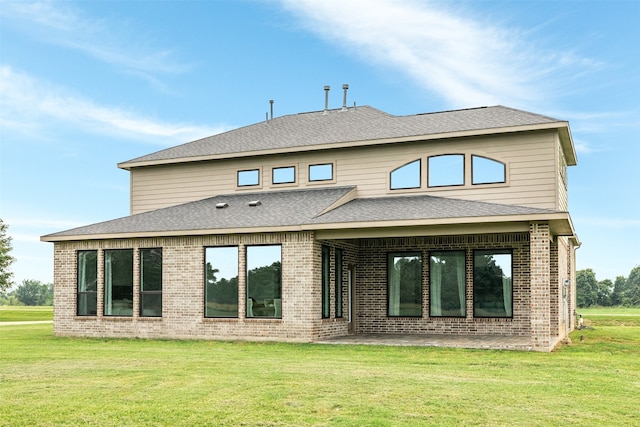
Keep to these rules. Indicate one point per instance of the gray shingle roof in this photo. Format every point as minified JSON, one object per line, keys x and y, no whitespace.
{"x":292,"y":209}
{"x":334,"y":127}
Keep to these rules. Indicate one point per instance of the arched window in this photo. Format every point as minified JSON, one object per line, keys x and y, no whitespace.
{"x":446,"y":169}
{"x":406,"y":176}
{"x":487,"y":171}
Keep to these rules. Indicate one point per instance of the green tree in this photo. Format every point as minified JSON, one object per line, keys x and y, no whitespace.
{"x":631,"y":295}
{"x":619,"y":288}
{"x":5,"y":259}
{"x":586,"y":288}
{"x":605,"y":289}
{"x":33,"y":292}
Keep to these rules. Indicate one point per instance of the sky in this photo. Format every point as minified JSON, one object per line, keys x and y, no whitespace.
{"x":87,"y":84}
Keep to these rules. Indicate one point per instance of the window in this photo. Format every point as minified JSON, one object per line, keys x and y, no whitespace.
{"x":118,"y":282}
{"x":323,"y":172}
{"x":264,"y":281}
{"x":405,"y":284}
{"x":221,"y":282}
{"x":87,"y":303}
{"x":492,"y":283}
{"x":285,"y":175}
{"x":487,"y":171}
{"x":407,"y":176}
{"x":151,"y":282}
{"x":447,"y":284}
{"x":339,"y":284}
{"x":249,"y":178}
{"x":446,"y":170}
{"x":326,"y":282}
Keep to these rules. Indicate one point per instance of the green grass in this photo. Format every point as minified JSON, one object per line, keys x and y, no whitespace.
{"x":22,"y":314}
{"x":610,"y":316}
{"x":47,"y":381}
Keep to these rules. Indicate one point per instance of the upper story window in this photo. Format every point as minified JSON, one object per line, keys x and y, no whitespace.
{"x":283,"y":175}
{"x":321,"y":172}
{"x":445,"y":170}
{"x":487,"y":171}
{"x":406,"y":176}
{"x":248,"y":178}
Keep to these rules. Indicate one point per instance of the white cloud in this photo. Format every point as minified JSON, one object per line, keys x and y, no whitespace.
{"x":465,"y":60}
{"x":109,"y":41}
{"x":26,"y":101}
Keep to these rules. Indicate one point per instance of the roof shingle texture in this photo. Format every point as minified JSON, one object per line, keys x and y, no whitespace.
{"x":336,"y":126}
{"x":293,"y":208}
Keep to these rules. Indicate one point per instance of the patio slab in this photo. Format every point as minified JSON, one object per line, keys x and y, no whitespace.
{"x":489,"y":342}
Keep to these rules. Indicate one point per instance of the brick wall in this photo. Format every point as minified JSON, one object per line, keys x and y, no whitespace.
{"x":371,"y":286}
{"x":540,"y":286}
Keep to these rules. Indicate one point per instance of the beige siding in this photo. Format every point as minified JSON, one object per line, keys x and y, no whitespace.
{"x":531,"y":159}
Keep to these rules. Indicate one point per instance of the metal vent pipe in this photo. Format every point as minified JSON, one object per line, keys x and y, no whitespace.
{"x":345,"y":87}
{"x":326,"y":99}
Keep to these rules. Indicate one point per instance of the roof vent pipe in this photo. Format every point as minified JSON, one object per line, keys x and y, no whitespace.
{"x":326,"y":99}
{"x":345,"y":87}
{"x":271,"y":102}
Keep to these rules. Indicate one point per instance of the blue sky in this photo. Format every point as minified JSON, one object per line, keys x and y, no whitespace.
{"x":87,"y":84}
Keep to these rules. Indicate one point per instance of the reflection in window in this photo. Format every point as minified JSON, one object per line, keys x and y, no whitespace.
{"x":286,"y":175}
{"x":326,"y":281}
{"x":248,"y":178}
{"x":87,"y":304}
{"x":444,"y":170}
{"x":447,"y":284}
{"x":407,"y":176}
{"x":487,"y":171}
{"x":492,"y":284}
{"x":118,"y":282}
{"x":151,"y":282}
{"x":323,"y":172}
{"x":221,"y":282}
{"x":405,"y":284}
{"x":264,"y":281}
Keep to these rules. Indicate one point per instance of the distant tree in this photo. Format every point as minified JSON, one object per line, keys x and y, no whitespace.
{"x":619,"y":288}
{"x":586,"y":288}
{"x":631,"y":294}
{"x":33,"y":292}
{"x":605,"y":288}
{"x":5,"y":259}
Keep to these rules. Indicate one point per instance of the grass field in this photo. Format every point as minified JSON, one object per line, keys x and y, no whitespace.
{"x":22,"y":314}
{"x":46,"y":381}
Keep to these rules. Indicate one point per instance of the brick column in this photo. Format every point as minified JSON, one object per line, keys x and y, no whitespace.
{"x":540,"y":256}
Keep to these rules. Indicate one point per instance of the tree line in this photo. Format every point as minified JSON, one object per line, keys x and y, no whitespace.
{"x":623,"y":291}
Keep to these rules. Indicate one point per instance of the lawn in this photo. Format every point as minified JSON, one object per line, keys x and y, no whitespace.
{"x":21,"y":314}
{"x":46,"y":381}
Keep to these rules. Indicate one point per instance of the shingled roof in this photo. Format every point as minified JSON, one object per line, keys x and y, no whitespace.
{"x":296,"y":210}
{"x":336,"y":128}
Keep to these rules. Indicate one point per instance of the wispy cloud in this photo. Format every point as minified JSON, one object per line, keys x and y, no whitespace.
{"x":464,"y":59}
{"x":111,"y":42}
{"x":26,"y":101}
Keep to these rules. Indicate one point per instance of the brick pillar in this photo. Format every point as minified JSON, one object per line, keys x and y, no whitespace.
{"x":540,"y":256}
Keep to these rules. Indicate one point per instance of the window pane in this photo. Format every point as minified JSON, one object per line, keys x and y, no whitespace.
{"x":446,"y":170}
{"x":151,"y":282}
{"x":88,"y":304}
{"x":264,"y":281}
{"x":326,"y":281}
{"x":151,"y":304}
{"x":284,"y":175}
{"x":447,"y":284}
{"x":405,"y":284}
{"x":407,"y":176}
{"x":487,"y":171}
{"x":150,"y":270}
{"x":87,"y":271}
{"x":248,"y":178}
{"x":322,"y":172}
{"x":339,"y":285}
{"x":492,"y":284}
{"x":118,"y":282}
{"x":221,"y":282}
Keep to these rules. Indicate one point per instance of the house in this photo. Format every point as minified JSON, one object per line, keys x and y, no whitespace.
{"x":340,"y":221}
